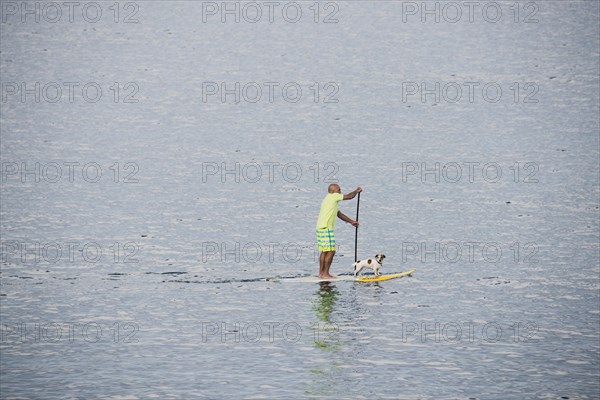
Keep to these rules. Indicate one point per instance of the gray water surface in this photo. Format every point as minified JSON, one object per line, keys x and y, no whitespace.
{"x":140,"y":275}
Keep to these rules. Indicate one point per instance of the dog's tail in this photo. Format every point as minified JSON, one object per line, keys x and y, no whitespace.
{"x":355,"y":264}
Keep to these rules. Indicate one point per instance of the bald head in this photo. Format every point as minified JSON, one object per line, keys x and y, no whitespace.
{"x":334,"y":188}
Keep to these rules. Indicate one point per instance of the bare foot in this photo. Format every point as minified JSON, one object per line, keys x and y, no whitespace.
{"x":328,"y":276}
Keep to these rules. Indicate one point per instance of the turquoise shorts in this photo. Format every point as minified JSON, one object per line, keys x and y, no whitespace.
{"x":325,"y":240}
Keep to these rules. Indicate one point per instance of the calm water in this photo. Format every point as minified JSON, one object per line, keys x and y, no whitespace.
{"x":137,"y":222}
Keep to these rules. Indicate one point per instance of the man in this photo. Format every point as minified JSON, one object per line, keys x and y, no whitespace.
{"x":326,"y":225}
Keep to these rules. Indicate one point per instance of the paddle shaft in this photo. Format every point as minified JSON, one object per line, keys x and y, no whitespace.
{"x":356,"y":231}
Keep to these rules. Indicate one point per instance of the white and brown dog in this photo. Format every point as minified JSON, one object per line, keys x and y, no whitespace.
{"x":374,"y":264}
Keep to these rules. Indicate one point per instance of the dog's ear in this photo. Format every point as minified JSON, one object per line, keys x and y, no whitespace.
{"x":383,"y":256}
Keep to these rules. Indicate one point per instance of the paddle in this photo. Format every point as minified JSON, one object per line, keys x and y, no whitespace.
{"x":356,"y":231}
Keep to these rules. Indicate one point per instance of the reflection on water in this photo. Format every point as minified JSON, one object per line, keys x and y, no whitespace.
{"x":328,"y":295}
{"x":326,"y":332}
{"x":327,"y":339}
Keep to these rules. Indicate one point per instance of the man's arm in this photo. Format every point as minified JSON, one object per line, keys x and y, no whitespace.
{"x":345,"y":218}
{"x":351,"y":195}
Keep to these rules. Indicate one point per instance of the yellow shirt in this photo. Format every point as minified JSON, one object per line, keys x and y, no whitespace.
{"x":329,"y":210}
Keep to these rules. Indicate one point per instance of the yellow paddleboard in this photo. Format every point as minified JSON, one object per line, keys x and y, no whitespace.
{"x":384,"y":277}
{"x":348,"y":278}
